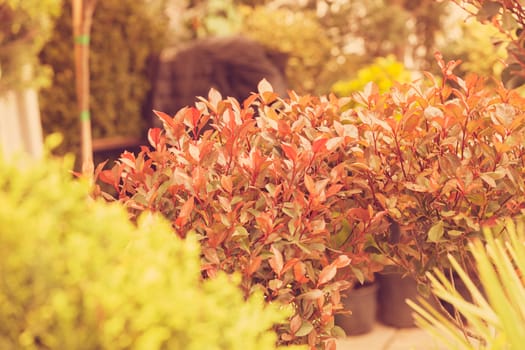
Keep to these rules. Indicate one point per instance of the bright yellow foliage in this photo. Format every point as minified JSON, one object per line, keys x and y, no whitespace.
{"x":77,"y":274}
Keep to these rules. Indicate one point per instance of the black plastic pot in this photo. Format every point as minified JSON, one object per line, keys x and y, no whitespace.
{"x":393,"y":291}
{"x":362,"y":302}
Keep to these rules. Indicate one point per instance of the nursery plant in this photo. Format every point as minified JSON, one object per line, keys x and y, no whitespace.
{"x":77,"y":274}
{"x":272,"y":197}
{"x":302,"y":194}
{"x":494,"y":317}
{"x":446,"y":157}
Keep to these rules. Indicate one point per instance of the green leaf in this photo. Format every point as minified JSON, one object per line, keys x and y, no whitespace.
{"x":338,"y":332}
{"x":240,"y":231}
{"x":359,"y":275}
{"x":436,"y":232}
{"x":454,"y":233}
{"x":305,"y":329}
{"x":342,"y":236}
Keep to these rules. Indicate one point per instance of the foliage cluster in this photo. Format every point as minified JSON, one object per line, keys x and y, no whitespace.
{"x":125,"y":38}
{"x":24,"y":28}
{"x":445,"y":161}
{"x":77,"y":274}
{"x":298,"y":193}
{"x":494,"y":316}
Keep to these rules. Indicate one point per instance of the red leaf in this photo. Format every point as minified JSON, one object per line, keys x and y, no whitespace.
{"x":99,"y":169}
{"x":299,"y":271}
{"x":154,"y":137}
{"x":289,"y":264}
{"x":310,"y":185}
{"x":327,"y":274}
{"x":193,"y":115}
{"x":314,"y":294}
{"x":319,"y":145}
{"x":165,"y":118}
{"x":360,"y":213}
{"x":276,"y":261}
{"x":265,"y":223}
{"x":290,"y":151}
{"x":283,"y":127}
{"x":312,"y":339}
{"x":211,"y":255}
{"x":185,"y":212}
{"x":333,"y":189}
{"x":253,"y":266}
{"x":226,"y":183}
{"x":107,"y":176}
{"x":249,"y":101}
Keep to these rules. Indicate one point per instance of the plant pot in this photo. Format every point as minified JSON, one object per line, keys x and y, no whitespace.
{"x":362,"y":302}
{"x":393,"y":291}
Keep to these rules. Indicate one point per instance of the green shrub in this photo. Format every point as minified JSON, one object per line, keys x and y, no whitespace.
{"x":125,"y":36}
{"x":77,"y":274}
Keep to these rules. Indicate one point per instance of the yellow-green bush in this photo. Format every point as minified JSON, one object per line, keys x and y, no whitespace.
{"x":125,"y":35}
{"x":77,"y":274}
{"x":384,"y":72}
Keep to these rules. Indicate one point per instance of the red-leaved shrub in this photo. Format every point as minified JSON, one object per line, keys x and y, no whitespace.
{"x":297,"y":193}
{"x":446,"y":159}
{"x":278,"y":197}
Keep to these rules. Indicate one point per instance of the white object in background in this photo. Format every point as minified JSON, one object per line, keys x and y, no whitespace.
{"x":20,"y":126}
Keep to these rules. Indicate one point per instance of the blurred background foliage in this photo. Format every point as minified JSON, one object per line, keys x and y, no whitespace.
{"x":479,"y":46}
{"x":126,"y":35}
{"x":331,"y":40}
{"x":326,"y":41}
{"x":25,"y":26}
{"x":384,"y":72}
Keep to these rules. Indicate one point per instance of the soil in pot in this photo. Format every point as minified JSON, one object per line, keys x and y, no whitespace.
{"x":362,"y":302}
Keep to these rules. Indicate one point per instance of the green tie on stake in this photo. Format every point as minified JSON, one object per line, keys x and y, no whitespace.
{"x":82,"y":19}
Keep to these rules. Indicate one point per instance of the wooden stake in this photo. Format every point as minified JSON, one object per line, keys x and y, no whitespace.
{"x":82,"y":18}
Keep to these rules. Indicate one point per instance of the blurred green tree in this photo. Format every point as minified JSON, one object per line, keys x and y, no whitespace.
{"x":25,"y":25}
